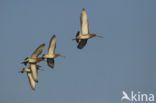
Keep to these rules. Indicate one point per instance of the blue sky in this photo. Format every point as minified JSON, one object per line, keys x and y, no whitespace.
{"x":123,"y":60}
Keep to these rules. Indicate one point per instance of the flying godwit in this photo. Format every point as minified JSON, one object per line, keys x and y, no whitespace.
{"x":81,"y":38}
{"x":33,"y":60}
{"x":30,"y":78}
{"x":51,"y":52}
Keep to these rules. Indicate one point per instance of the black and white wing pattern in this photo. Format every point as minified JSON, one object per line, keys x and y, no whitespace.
{"x":82,"y":43}
{"x":50,"y":62}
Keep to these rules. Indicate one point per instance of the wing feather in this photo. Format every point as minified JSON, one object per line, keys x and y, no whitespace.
{"x":82,"y":43}
{"x":50,"y":62}
{"x":31,"y":80}
{"x":84,"y":22}
{"x":38,"y":51}
{"x":52,"y":45}
{"x":34,"y":72}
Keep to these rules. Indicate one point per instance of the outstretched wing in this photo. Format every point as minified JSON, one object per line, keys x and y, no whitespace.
{"x":50,"y":62}
{"x":38,"y":51}
{"x":84,"y":22}
{"x":82,"y":43}
{"x":34,"y":72}
{"x":52,"y":45}
{"x":31,"y":80}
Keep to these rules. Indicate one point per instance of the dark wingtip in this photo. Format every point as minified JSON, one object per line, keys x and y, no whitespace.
{"x":82,"y":44}
{"x":80,"y":47}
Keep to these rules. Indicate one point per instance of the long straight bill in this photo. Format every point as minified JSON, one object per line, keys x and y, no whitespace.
{"x":99,"y":36}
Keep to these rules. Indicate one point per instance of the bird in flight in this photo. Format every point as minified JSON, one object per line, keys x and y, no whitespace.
{"x":81,"y":38}
{"x":33,"y":60}
{"x":29,"y":75}
{"x":51,"y":52}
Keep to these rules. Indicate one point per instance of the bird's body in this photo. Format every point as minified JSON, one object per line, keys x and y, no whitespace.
{"x":30,"y":78}
{"x":51,"y":52}
{"x":49,"y":55}
{"x":33,"y":60}
{"x":82,"y":37}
